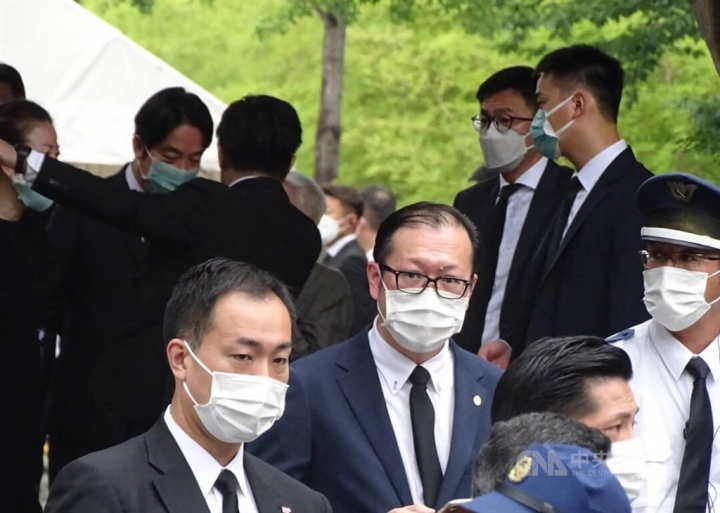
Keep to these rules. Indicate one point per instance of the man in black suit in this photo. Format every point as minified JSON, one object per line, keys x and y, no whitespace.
{"x":229,"y":327}
{"x":88,"y":258}
{"x":513,"y":210}
{"x":592,"y":280}
{"x":248,"y":217}
{"x":343,"y":208}
{"x":324,"y":305}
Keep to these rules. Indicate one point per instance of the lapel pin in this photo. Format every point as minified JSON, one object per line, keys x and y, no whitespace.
{"x":285,"y":509}
{"x":477,"y":400}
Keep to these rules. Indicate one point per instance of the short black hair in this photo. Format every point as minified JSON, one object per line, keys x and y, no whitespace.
{"x":378,"y":203}
{"x":590,"y":67}
{"x":260,"y":133}
{"x":509,"y":439}
{"x":552,"y":374}
{"x":424,"y":213}
{"x":168,"y":109}
{"x":521,"y":79}
{"x":189,"y":313}
{"x":11,"y":77}
{"x":347,"y":195}
{"x":17,"y":119}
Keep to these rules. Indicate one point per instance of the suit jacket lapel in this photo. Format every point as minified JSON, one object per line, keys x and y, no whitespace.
{"x":363,"y":392}
{"x":265,"y":498}
{"x":466,"y":424}
{"x":176,"y":485}
{"x":539,"y":217}
{"x":597,"y":195}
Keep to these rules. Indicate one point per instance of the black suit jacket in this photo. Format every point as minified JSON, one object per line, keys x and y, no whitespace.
{"x":252,"y":222}
{"x":149,"y":474}
{"x":324,"y":310}
{"x":93,"y":274}
{"x":352,"y":262}
{"x":477,"y":203}
{"x":594,"y":284}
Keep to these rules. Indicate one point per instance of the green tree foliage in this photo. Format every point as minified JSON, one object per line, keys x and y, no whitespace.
{"x":409,"y":87}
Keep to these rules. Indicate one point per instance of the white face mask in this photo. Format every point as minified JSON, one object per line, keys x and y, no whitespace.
{"x":503,"y":151}
{"x":627,"y":462}
{"x":423,"y":322}
{"x":241,"y":407}
{"x":676,"y":297}
{"x":329,"y":229}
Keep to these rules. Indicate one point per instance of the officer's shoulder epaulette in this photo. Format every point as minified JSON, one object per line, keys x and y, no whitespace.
{"x":623,"y":335}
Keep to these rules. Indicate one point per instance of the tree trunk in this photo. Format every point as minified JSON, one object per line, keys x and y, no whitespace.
{"x":707,"y":14}
{"x":327,"y":140}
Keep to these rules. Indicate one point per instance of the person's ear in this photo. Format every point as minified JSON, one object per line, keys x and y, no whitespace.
{"x":292,"y":162}
{"x":374,"y":280}
{"x":580,"y":103}
{"x":176,"y":353}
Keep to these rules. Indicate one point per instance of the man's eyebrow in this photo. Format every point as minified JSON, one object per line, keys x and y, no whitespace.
{"x":248,"y":342}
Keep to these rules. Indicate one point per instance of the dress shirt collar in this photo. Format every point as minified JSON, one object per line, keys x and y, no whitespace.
{"x":242,"y":179}
{"x":596,"y":166}
{"x":395,"y":368}
{"x":676,"y":356}
{"x":132,"y":182}
{"x":531,"y":177}
{"x":204,"y":467}
{"x":336,"y":246}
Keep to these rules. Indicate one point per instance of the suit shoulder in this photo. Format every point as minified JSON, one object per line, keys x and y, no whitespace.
{"x":119,"y":460}
{"x":471,"y":361}
{"x":466,"y":195}
{"x":278,"y":480}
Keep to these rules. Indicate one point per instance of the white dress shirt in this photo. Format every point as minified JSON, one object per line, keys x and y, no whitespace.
{"x":394,"y":371}
{"x":206,"y":470}
{"x":336,"y":246}
{"x":517,"y":209}
{"x":250,"y":177}
{"x":591,"y":173}
{"x":132,"y":182}
{"x":662,"y":390}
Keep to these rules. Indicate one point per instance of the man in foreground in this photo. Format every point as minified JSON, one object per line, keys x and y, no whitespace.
{"x":229,"y":327}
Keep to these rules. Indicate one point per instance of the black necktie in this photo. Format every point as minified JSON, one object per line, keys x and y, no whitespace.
{"x":491,"y":247}
{"x":561,"y":220}
{"x":227,"y":485}
{"x":422,"y":416}
{"x":692,"y":492}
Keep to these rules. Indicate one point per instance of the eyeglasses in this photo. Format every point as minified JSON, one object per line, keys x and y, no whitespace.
{"x":683,"y":260}
{"x":447,"y":287}
{"x":503,"y":122}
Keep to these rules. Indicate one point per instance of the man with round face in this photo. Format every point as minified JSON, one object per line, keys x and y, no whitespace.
{"x":229,"y":330}
{"x":394,"y":416}
{"x":513,"y":209}
{"x":676,"y":354}
{"x":591,"y":280}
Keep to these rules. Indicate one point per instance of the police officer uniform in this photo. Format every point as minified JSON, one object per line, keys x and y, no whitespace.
{"x":677,"y":391}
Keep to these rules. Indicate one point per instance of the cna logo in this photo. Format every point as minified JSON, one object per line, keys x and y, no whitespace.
{"x":535,"y":463}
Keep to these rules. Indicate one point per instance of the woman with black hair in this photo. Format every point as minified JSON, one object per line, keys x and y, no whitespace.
{"x":22,"y":258}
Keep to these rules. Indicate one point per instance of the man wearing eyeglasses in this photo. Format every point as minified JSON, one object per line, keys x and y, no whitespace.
{"x":676,"y":354}
{"x":512,"y":209}
{"x":394,"y":416}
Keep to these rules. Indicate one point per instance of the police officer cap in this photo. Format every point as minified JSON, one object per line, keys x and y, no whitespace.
{"x":555,"y":479}
{"x":681,"y":209}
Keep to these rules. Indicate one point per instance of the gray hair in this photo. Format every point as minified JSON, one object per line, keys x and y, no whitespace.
{"x":307,"y":196}
{"x":510,"y":438}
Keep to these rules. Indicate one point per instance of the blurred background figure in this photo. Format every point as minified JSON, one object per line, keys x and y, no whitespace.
{"x":343,"y":209}
{"x":378,"y":203}
{"x":11,"y":84}
{"x":324,"y":305}
{"x":510,"y":438}
{"x":22,"y":265}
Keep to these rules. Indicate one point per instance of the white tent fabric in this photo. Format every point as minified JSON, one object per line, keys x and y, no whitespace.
{"x":89,"y":76}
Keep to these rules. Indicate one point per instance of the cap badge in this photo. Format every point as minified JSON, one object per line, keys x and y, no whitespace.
{"x":521,"y":469}
{"x":682,"y":191}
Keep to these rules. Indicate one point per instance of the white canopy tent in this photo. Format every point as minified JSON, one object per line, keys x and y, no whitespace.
{"x":89,"y":76}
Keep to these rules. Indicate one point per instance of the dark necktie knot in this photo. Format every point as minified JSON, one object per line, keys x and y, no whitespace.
{"x":575,"y":186}
{"x":420,"y":376}
{"x":227,"y":483}
{"x":698,"y":368}
{"x":508,"y":190}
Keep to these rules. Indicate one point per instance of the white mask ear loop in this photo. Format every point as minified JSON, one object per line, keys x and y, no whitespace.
{"x":717,"y":298}
{"x":201,"y":364}
{"x":377,"y":303}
